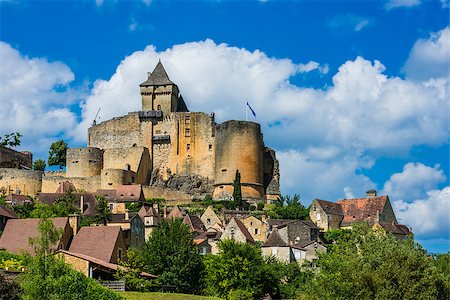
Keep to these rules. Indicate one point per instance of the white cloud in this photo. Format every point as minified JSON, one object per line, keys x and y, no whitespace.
{"x":429,"y":216}
{"x":356,"y":23}
{"x":29,"y":100}
{"x":430,"y":58}
{"x":361,"y":24}
{"x":413,"y":182}
{"x":312,"y":66}
{"x":133,"y":25}
{"x":391,"y":4}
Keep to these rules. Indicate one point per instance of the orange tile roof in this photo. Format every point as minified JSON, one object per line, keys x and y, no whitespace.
{"x":362,"y":209}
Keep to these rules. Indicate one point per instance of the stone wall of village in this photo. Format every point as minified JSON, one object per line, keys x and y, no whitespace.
{"x":20,"y":181}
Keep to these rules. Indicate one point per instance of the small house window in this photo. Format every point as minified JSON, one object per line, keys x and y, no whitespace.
{"x":314,"y":208}
{"x":256,"y":231}
{"x":187,"y":132}
{"x":210,"y":147}
{"x":111,"y":206}
{"x":274,"y":251}
{"x":188,"y":147}
{"x":158,"y":107}
{"x":208,"y":221}
{"x":187,"y":120}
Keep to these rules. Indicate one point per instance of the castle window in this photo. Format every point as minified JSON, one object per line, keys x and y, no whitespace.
{"x":223,"y":170}
{"x":187,"y":132}
{"x":256,"y":231}
{"x":210,"y":147}
{"x":187,"y":120}
{"x":188,"y":147}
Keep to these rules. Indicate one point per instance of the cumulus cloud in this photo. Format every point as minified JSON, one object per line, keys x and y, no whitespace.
{"x":312,"y":66}
{"x":429,"y":58}
{"x":391,"y":4}
{"x":413,"y":182}
{"x":34,"y":97}
{"x":429,"y":216}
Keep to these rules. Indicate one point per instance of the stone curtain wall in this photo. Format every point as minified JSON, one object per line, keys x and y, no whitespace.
{"x":28,"y":182}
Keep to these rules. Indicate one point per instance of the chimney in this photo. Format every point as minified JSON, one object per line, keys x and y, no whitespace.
{"x":81,"y":204}
{"x":371,"y":193}
{"x":127,"y":215}
{"x":74,"y":220}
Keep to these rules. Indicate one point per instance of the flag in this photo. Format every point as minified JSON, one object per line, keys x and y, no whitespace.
{"x":251,"y":109}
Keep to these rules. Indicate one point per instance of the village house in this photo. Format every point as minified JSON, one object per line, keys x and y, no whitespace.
{"x":294,"y":231}
{"x":275,"y":246}
{"x":399,"y":231}
{"x":151,"y":219}
{"x":105,"y":243}
{"x":17,"y":232}
{"x":117,"y":198}
{"x":194,"y":223}
{"x":132,"y":227}
{"x":17,"y":199}
{"x":209,"y":217}
{"x":236,"y":230}
{"x":256,"y":227}
{"x":208,"y":241}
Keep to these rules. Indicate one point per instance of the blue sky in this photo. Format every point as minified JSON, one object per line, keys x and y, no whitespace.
{"x":353,"y":95}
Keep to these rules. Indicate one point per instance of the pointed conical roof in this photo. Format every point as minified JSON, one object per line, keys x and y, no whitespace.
{"x":158,"y":77}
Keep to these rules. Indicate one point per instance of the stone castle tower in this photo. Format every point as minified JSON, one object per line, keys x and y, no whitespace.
{"x":166,"y":147}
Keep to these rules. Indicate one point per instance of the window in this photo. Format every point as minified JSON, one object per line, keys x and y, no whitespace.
{"x":187,"y":120}
{"x":119,"y":253}
{"x":187,"y":132}
{"x":210,"y":147}
{"x":314,"y":208}
{"x":188,"y":147}
{"x":111,"y":206}
{"x":203,"y":250}
{"x":208,"y":221}
{"x":158,"y":107}
{"x":256,"y":231}
{"x":158,"y":131}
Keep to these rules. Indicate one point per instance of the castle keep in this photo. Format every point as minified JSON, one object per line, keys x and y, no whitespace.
{"x":172,"y":152}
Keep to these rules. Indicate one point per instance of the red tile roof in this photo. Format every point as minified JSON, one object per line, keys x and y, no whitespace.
{"x":65,"y":187}
{"x":96,"y":241}
{"x":131,"y":192}
{"x":14,"y":199}
{"x":175,"y":213}
{"x":17,"y":233}
{"x":194,"y":223}
{"x":362,"y":209}
{"x":395,"y":228}
{"x":244,"y":230}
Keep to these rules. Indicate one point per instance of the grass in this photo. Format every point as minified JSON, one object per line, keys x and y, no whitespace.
{"x":163,"y":296}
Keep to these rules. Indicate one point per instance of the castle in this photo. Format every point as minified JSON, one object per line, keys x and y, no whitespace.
{"x":172,"y":152}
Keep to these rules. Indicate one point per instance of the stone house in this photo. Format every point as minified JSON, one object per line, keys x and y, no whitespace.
{"x":293,"y":231}
{"x":236,"y":230}
{"x":93,"y":267}
{"x":342,"y":214}
{"x":5,"y":215}
{"x":105,"y":243}
{"x":117,"y":198}
{"x":209,"y":217}
{"x":175,"y":212}
{"x":312,"y":248}
{"x":275,"y":246}
{"x":208,"y":241}
{"x":17,"y":199}
{"x":133,"y":228}
{"x":151,"y":219}
{"x":256,"y":227}
{"x":17,"y":233}
{"x":398,"y":230}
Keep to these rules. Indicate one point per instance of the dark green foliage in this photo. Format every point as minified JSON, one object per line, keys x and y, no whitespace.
{"x":239,"y":267}
{"x":260,"y":205}
{"x":442,"y":262}
{"x":171,"y":254}
{"x":11,"y":140}
{"x":132,"y":268}
{"x":39,"y":165}
{"x":57,"y":154}
{"x":337,"y":236}
{"x":288,"y":207}
{"x":237,"y":193}
{"x":104,"y":214}
{"x":66,"y":204}
{"x":24,"y":211}
{"x":292,"y":279}
{"x":373,"y":265}
{"x":9,"y":290}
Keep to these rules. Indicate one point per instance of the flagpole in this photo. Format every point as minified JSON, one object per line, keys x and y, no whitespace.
{"x":246,"y":112}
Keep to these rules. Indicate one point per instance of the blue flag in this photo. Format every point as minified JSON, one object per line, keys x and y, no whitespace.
{"x":251,"y":109}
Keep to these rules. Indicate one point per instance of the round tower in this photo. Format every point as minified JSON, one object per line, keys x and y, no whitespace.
{"x":239,"y":146}
{"x":84,"y":162}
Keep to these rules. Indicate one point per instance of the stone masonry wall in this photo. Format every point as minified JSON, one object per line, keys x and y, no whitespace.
{"x":50,"y":183}
{"x":28,"y":182}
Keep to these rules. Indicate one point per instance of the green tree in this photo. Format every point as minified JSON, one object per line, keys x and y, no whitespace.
{"x":288,"y":207}
{"x":57,"y":154}
{"x":9,"y":290}
{"x":65,"y":204}
{"x":39,"y":165}
{"x":240,"y":267}
{"x":11,"y":140}
{"x":103,"y":213}
{"x":170,"y":254}
{"x":50,"y":278}
{"x":375,"y":265}
{"x":237,"y":192}
{"x":131,"y":269}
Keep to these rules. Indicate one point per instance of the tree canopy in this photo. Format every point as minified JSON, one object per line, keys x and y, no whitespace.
{"x":57,"y":154}
{"x":39,"y":165}
{"x":376,"y":265}
{"x":103,"y":213}
{"x":288,"y":207}
{"x":171,"y":254}
{"x":11,"y":139}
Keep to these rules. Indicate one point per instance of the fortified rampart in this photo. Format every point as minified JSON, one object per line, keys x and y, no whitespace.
{"x":17,"y":181}
{"x":10,"y":158}
{"x":239,"y":146}
{"x":51,"y":182}
{"x":84,"y":162}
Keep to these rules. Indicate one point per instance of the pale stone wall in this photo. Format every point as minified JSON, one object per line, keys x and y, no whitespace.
{"x":323,"y":220}
{"x":76,"y":263}
{"x":209,"y":218}
{"x":239,"y":146}
{"x":112,"y":178}
{"x":163,"y":97}
{"x":171,"y":196}
{"x":256,"y":228}
{"x":10,"y":158}
{"x":232,"y":232}
{"x":50,"y":183}
{"x":136,"y":159}
{"x":27,"y":182}
{"x":84,"y":162}
{"x":283,"y":254}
